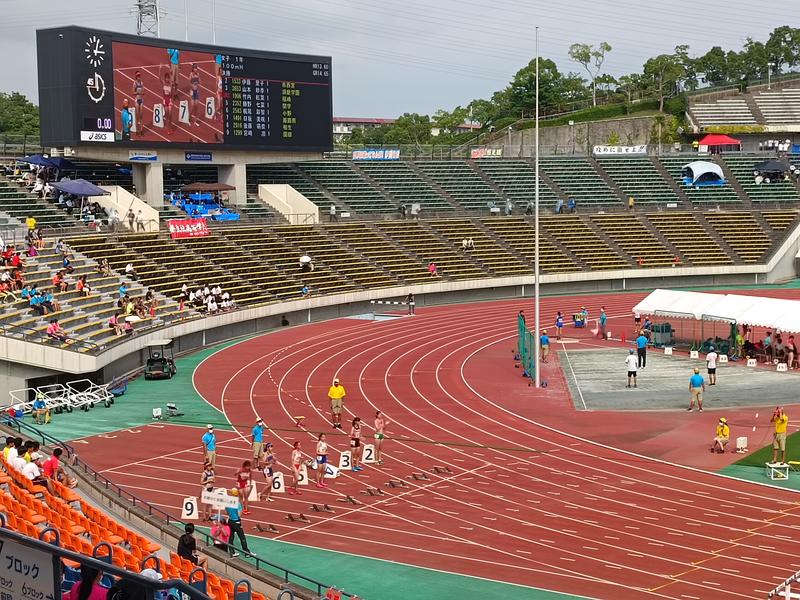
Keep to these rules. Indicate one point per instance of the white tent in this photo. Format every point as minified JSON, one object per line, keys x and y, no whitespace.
{"x":756,"y":311}
{"x":698,"y":168}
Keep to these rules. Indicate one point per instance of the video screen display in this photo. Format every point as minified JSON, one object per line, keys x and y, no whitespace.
{"x":150,"y":92}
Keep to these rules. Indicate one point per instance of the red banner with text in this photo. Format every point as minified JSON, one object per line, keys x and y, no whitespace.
{"x":188,"y":228}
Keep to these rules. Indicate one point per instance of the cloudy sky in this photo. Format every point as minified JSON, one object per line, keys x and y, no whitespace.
{"x":414,"y":55}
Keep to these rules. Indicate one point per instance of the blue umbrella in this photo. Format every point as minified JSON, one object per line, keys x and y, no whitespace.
{"x":37,"y":159}
{"x":79,"y":187}
{"x":60,"y":163}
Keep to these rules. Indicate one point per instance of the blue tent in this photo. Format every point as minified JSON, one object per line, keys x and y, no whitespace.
{"x":60,"y":163}
{"x":80,"y":187}
{"x":36,"y":159}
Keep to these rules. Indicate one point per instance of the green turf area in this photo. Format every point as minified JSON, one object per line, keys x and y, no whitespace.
{"x":751,"y":467}
{"x":764,"y":455}
{"x":372,"y":578}
{"x":135,"y":408}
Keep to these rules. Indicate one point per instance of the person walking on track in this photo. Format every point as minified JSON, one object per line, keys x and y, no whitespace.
{"x":632,"y":362}
{"x":641,"y":349}
{"x":210,"y":446}
{"x":412,"y":305}
{"x":336,"y":393}
{"x":697,"y":385}
{"x":711,"y":363}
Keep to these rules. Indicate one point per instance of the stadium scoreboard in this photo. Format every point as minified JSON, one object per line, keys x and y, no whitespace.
{"x":99,"y":87}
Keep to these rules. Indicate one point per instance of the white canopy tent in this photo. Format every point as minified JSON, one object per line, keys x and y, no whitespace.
{"x":756,"y":311}
{"x":698,"y":168}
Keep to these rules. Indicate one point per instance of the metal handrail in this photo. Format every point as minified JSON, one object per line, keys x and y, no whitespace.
{"x":152,"y":511}
{"x":29,"y":333}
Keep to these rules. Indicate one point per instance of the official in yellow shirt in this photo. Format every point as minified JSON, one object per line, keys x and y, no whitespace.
{"x":722,"y":436}
{"x":336,"y":393}
{"x":781,"y":420}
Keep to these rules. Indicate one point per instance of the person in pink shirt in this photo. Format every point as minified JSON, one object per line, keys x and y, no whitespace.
{"x":88,"y":588}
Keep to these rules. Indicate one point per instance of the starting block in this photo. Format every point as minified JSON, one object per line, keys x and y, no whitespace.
{"x":349,"y":500}
{"x":373,"y":492}
{"x":270,"y":528}
{"x":301,"y":517}
{"x":741,"y":444}
{"x":392,"y":483}
{"x":325,"y":508}
{"x":440,"y":470}
{"x":420,"y":477}
{"x":778,"y":471}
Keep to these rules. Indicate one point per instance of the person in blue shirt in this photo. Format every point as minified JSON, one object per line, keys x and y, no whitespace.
{"x":37,"y":306}
{"x":697,"y":385}
{"x":641,"y":349}
{"x":40,"y":409}
{"x":258,"y":443}
{"x":572,"y":205}
{"x":559,"y":324}
{"x":210,"y":446}
{"x":545,"y":343}
{"x":123,"y":291}
{"x":235,"y":522}
{"x":127,"y":120}
{"x":648,"y":325}
{"x":174,"y":67}
{"x":26,"y":291}
{"x":602,"y":322}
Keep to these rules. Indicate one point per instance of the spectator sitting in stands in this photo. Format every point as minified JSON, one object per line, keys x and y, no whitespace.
{"x":104,"y":268}
{"x":206,"y":291}
{"x":8,"y":252}
{"x":16,"y":262}
{"x":82,"y":286}
{"x":5,"y":291}
{"x":559,"y":206}
{"x":529,"y":209}
{"x":139,"y":308}
{"x":31,"y":251}
{"x":32,"y":470}
{"x":26,"y":292}
{"x":304,"y":291}
{"x":52,"y":468}
{"x":228,"y":302}
{"x":39,"y":238}
{"x":115,"y":324}
{"x":17,"y":280}
{"x":130,"y":309}
{"x":432,"y":269}
{"x":216,"y":290}
{"x":464,"y":244}
{"x":211,"y":305}
{"x":127,"y":327}
{"x":779,"y":346}
{"x":306,"y":265}
{"x":470,"y":244}
{"x":130,"y":272}
{"x":55,"y":331}
{"x":59,"y":282}
{"x":123,"y":290}
{"x":66,"y":265}
{"x":49,"y":302}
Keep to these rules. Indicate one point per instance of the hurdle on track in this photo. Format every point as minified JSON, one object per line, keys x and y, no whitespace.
{"x":784,"y":590}
{"x":379,"y":303}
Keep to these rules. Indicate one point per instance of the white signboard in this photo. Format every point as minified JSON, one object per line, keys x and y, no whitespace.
{"x":609,"y":150}
{"x":219,"y":498}
{"x":97,"y":136}
{"x":26,"y":573}
{"x":189,"y":509}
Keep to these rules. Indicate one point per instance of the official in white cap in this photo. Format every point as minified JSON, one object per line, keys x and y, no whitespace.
{"x":210,"y":446}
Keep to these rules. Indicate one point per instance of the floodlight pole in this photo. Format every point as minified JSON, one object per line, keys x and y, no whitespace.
{"x":186,"y":20}
{"x":213,"y":22}
{"x":536,"y":345}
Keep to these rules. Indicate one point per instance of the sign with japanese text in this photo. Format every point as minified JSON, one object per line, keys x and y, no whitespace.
{"x":376,"y":154}
{"x":219,"y":498}
{"x":486,"y":153}
{"x":606,"y":150}
{"x":26,"y":573}
{"x":188,"y":228}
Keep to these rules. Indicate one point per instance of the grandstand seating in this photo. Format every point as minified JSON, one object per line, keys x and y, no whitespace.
{"x":101,"y":173}
{"x":779,"y":107}
{"x":725,"y":111}
{"x":461,"y":183}
{"x":776,"y":191}
{"x":579,"y":238}
{"x":415,"y":238}
{"x":630,"y":234}
{"x":578,"y":179}
{"x":285,"y":175}
{"x":29,"y":509}
{"x":684,"y":232}
{"x":348,"y":186}
{"x":637,"y":177}
{"x":17,"y":202}
{"x":404,"y":184}
{"x":499,"y":260}
{"x":519,"y":233}
{"x":517,"y":180}
{"x":713,"y":194}
{"x":779,"y":220}
{"x":741,"y":231}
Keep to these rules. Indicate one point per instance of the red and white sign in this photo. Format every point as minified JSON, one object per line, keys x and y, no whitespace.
{"x":188,"y":228}
{"x":476,"y":153}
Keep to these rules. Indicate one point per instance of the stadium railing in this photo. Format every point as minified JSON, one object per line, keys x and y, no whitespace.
{"x":35,"y":557}
{"x":82,"y":468}
{"x":19,"y":145}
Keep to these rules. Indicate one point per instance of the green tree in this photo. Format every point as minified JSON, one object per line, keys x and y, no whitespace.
{"x":783,"y":47}
{"x":554,"y":87}
{"x":630,"y":85}
{"x":664,"y":71}
{"x":18,"y":115}
{"x":410,"y":128}
{"x":448,"y":122}
{"x":714,"y":65}
{"x":592,"y":60}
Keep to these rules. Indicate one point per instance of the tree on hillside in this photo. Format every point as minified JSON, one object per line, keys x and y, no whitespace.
{"x":18,"y":115}
{"x":591,"y":59}
{"x":714,"y":66}
{"x":783,"y":47}
{"x":554,"y":88}
{"x":448,"y":122}
{"x":630,"y":84}
{"x":664,"y":71}
{"x":410,"y":128}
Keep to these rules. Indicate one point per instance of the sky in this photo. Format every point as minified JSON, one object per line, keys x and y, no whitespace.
{"x":415,"y":55}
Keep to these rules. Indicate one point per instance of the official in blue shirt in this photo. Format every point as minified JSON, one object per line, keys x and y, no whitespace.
{"x":545,"y":343}
{"x":641,"y":349}
{"x":127,"y":121}
{"x":210,"y":445}
{"x":235,"y":522}
{"x":697,"y":385}
{"x":602,"y":321}
{"x":258,"y":443}
{"x":40,"y":409}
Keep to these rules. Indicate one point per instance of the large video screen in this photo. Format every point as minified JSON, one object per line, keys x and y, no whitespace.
{"x":135,"y":91}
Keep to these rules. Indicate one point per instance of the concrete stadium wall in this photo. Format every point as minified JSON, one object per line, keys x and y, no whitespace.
{"x":631,"y":131}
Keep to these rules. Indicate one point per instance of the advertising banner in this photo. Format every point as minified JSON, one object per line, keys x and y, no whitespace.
{"x":486,"y":153}
{"x":188,"y":228}
{"x":377,"y":154}
{"x":608,"y":150}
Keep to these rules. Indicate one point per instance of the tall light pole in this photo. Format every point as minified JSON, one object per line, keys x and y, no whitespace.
{"x":536,"y":345}
{"x":186,"y":20}
{"x":213,"y":22}
{"x":769,"y":74}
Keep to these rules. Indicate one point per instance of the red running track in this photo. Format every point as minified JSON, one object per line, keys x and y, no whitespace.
{"x":525,"y":503}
